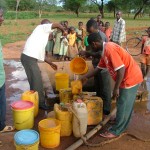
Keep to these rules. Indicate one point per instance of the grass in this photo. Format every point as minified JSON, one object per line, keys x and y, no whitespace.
{"x":12,"y":31}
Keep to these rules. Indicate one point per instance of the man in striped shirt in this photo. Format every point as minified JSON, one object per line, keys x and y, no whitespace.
{"x":118,"y":34}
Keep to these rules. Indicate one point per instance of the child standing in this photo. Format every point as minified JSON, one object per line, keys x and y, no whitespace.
{"x":107,"y":30}
{"x":81,"y":33}
{"x":72,"y":48}
{"x":145,"y":55}
{"x":63,"y":46}
{"x":50,"y":45}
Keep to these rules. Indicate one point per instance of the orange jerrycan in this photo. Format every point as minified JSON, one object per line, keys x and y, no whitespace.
{"x":33,"y":97}
{"x":95,"y":109}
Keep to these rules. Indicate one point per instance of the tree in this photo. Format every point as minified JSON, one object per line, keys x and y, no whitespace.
{"x":42,"y":3}
{"x":100,"y":6}
{"x":17,"y":5}
{"x":73,"y":5}
{"x":114,"y":5}
{"x":141,"y":5}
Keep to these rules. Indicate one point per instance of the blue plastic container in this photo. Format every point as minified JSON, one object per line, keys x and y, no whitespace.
{"x":26,"y":139}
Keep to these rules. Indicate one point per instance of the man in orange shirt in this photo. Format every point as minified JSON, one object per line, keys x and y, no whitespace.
{"x":127,"y":76}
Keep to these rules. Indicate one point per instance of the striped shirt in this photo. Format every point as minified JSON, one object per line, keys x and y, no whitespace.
{"x":118,"y":33}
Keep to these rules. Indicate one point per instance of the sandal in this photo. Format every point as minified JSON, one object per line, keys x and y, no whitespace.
{"x":108,"y":135}
{"x":7,"y":129}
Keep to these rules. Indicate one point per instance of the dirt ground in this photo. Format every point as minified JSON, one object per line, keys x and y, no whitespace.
{"x":139,"y":125}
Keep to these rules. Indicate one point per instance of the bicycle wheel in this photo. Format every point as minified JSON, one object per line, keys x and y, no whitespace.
{"x":133,"y":46}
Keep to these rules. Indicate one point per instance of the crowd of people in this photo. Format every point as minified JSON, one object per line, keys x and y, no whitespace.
{"x":108,"y":58}
{"x":68,"y":46}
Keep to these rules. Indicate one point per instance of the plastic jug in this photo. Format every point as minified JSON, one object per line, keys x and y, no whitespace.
{"x":33,"y":97}
{"x":65,"y":95}
{"x":76,"y":87}
{"x":65,"y":117}
{"x":95,"y":109}
{"x":61,"y":80}
{"x":82,"y":115}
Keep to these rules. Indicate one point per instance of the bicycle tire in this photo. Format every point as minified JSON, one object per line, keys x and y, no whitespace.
{"x":133,"y":46}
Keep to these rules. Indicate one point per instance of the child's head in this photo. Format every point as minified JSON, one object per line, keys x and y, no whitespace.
{"x":80,"y":24}
{"x":107,"y":25}
{"x":66,"y":24}
{"x":72,"y":30}
{"x":148,"y":31}
{"x":91,"y":26}
{"x":62,"y":23}
{"x":99,"y":17}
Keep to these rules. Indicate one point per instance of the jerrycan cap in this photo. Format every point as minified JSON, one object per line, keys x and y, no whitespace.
{"x":79,"y":101}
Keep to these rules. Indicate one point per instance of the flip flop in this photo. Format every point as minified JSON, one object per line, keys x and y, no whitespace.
{"x":7,"y":129}
{"x":108,"y":135}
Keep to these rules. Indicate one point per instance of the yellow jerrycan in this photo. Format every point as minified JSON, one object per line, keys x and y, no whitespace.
{"x":65,"y":95}
{"x":65,"y":117}
{"x":95,"y":109}
{"x":76,"y":87}
{"x":33,"y":97}
{"x":80,"y":119}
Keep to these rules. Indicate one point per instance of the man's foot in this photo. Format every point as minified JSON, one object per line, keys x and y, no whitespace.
{"x":108,"y":135}
{"x":44,"y":107}
{"x":7,"y":129}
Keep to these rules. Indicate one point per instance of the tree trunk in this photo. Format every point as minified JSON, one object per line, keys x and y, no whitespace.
{"x":101,"y":9}
{"x":77,"y":12}
{"x":17,"y":5}
{"x":138,"y":12}
{"x":114,"y":12}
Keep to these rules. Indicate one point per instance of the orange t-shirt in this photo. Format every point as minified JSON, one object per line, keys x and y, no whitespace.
{"x":115,"y":57}
{"x":146,"y":42}
{"x":71,"y":38}
{"x":108,"y":33}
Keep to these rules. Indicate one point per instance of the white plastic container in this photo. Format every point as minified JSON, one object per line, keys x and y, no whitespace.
{"x":81,"y":112}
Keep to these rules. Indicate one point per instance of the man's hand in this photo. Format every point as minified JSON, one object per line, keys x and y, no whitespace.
{"x":84,"y":53}
{"x":53,"y":66}
{"x":84,"y":80}
{"x":115,"y":94}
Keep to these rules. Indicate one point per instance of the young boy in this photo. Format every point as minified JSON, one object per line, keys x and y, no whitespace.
{"x":127,"y":76}
{"x":81,"y":33}
{"x":145,"y":55}
{"x":107,"y":30}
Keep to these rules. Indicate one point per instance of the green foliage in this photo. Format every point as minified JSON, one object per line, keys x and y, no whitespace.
{"x":21,"y":15}
{"x":3,"y":4}
{"x":73,"y":5}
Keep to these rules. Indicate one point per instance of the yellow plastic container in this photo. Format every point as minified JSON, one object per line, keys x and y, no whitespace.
{"x":95,"y":109}
{"x":61,"y":80}
{"x":65,"y":117}
{"x":65,"y":95}
{"x":76,"y":87}
{"x":26,"y":140}
{"x":34,"y":146}
{"x":78,"y":66}
{"x":49,"y":132}
{"x":23,"y":117}
{"x":33,"y":97}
